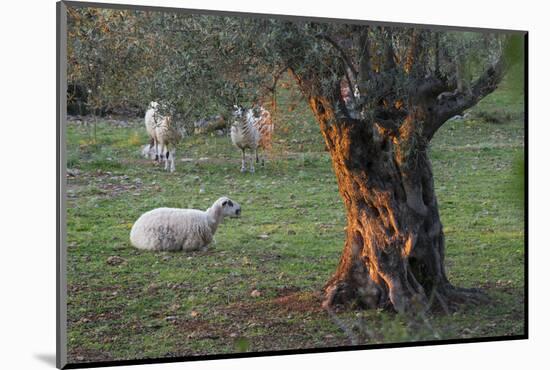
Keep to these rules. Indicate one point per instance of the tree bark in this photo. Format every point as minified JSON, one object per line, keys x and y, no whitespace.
{"x":393,"y":254}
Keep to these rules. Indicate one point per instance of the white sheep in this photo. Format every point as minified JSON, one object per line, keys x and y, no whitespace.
{"x":250,"y":131}
{"x":152,"y":115}
{"x":166,"y":138}
{"x":163,"y":137}
{"x":175,"y":229}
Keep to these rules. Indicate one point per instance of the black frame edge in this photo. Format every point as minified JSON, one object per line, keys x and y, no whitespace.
{"x":58,"y":363}
{"x":526,"y":181}
{"x":148,"y":361}
{"x":81,"y":4}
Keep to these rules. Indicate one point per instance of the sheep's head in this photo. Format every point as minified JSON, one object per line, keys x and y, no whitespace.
{"x":229,"y":207}
{"x":238,"y":111}
{"x":154,"y":105}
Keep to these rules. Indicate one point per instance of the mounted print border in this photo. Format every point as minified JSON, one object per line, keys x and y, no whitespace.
{"x":419,"y":171}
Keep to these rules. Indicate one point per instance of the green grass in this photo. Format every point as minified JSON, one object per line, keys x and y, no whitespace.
{"x":168,"y":304}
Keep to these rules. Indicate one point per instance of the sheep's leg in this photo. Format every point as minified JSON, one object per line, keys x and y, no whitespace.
{"x":252,"y":170}
{"x":162,"y":152}
{"x":257,"y":159}
{"x":262,"y":158}
{"x":173,"y":160}
{"x":157,"y":156}
{"x":166,"y":155}
{"x":151,"y":147}
{"x":243,"y":164}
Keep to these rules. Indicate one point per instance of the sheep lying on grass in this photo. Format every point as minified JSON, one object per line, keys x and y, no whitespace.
{"x":175,"y":229}
{"x":252,"y":128}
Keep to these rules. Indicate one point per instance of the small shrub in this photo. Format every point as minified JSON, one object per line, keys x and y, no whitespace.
{"x":134,"y":139}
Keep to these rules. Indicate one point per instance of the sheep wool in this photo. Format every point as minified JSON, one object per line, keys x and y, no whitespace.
{"x":264,"y":124}
{"x":163,"y":137}
{"x":250,"y":131}
{"x":151,"y":117}
{"x":176,"y":229}
{"x":167,"y":137}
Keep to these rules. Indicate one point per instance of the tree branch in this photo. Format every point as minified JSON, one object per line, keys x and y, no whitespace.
{"x":273,"y":89}
{"x":430,"y":88}
{"x":412,"y":52}
{"x":351,"y":87}
{"x":389,"y":62}
{"x":451,"y":104}
{"x":343,"y":54}
{"x":276,"y":78}
{"x":364,"y":73}
{"x":437,"y":61}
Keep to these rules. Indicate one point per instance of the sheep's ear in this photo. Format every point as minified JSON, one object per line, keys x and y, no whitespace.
{"x":224,"y":203}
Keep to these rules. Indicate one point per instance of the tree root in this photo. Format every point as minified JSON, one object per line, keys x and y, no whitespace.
{"x":454,"y":297}
{"x":446,"y":298}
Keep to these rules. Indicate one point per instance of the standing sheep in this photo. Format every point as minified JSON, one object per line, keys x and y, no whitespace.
{"x":166,"y":138}
{"x":175,"y":229}
{"x":152,"y":115}
{"x":250,"y":131}
{"x":163,"y":137}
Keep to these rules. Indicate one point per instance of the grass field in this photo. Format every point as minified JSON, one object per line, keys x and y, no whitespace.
{"x":283,"y":248}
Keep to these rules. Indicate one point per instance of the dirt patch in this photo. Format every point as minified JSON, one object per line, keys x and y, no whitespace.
{"x":282,"y":322}
{"x":502,"y":286}
{"x":104,"y":184}
{"x":299,"y":302}
{"x":113,"y":189}
{"x":200,"y":329}
{"x":99,"y":317}
{"x":78,"y":288}
{"x":83,"y":355}
{"x":288,"y":300}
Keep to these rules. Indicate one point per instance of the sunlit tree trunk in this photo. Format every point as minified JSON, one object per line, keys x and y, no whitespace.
{"x":394,"y":251}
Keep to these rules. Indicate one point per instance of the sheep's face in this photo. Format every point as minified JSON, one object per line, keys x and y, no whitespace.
{"x":154,"y":105}
{"x":230,"y":208}
{"x":238,"y":111}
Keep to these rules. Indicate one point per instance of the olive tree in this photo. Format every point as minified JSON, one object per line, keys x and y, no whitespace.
{"x":379,"y":95}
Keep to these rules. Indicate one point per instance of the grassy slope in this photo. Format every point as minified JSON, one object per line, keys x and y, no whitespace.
{"x":286,"y":245}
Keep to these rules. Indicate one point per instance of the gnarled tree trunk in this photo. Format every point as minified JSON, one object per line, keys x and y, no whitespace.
{"x":377,"y":113}
{"x":393,"y":254}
